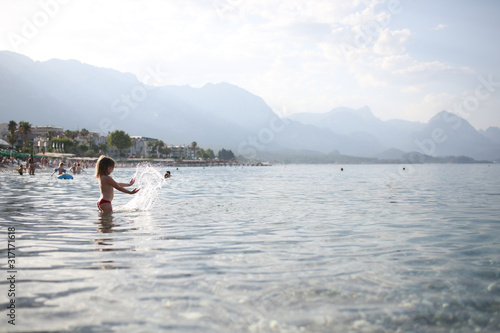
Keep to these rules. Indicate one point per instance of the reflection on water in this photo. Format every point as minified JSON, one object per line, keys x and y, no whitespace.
{"x":262,"y":249}
{"x":105,"y":223}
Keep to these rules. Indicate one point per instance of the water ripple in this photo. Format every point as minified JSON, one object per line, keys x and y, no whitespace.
{"x":283,"y":248}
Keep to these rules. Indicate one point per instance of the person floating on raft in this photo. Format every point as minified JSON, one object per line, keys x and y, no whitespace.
{"x":60,"y":169}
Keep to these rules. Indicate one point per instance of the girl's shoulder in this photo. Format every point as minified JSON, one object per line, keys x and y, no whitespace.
{"x":105,"y":178}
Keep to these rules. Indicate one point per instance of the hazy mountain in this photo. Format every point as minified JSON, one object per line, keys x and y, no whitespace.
{"x":444,"y":135}
{"x":228,"y":102}
{"x":447,"y":134}
{"x":389,"y":134}
{"x":74,"y":95}
{"x":389,"y":154}
{"x":492,"y":133}
{"x":66,"y":93}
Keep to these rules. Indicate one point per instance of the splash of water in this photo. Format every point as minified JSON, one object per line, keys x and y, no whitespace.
{"x":150,"y":181}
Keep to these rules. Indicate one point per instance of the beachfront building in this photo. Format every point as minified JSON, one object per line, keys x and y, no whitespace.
{"x":4,"y":131}
{"x":36,"y":134}
{"x":36,"y":131}
{"x":40,"y":145}
{"x":42,"y":131}
{"x":39,"y":136}
{"x":98,"y":138}
{"x":182,"y":152}
{"x":140,"y":149}
{"x":95,"y":136}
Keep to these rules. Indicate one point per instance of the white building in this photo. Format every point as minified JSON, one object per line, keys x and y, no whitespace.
{"x":36,"y":134}
{"x":182,"y":152}
{"x":4,"y":131}
{"x":140,"y":148}
{"x":41,"y":131}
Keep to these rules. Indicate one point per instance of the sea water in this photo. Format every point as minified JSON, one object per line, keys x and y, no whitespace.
{"x":151,"y":182}
{"x":286,"y":248}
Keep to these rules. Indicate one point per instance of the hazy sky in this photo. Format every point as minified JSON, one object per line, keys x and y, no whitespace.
{"x":404,"y":59}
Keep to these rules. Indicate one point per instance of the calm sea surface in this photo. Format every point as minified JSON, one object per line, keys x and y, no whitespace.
{"x":296,"y":248}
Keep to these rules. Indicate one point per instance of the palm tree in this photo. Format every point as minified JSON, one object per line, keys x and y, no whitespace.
{"x":12,"y":137}
{"x":84,"y":132}
{"x":70,"y":134}
{"x":90,"y":142}
{"x":103,"y":148}
{"x":50,"y":135}
{"x":12,"y":127}
{"x":25,"y":129}
{"x":194,"y":144}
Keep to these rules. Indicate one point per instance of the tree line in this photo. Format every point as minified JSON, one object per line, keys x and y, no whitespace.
{"x":117,"y":139}
{"x":55,"y":142}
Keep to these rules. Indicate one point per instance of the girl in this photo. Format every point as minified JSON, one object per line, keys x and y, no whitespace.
{"x":103,"y":168}
{"x":61,"y":169}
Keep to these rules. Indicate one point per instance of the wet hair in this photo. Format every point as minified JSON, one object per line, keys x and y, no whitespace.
{"x":102,"y":165}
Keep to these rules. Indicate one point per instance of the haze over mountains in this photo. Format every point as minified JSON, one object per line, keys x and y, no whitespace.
{"x":74,"y":95}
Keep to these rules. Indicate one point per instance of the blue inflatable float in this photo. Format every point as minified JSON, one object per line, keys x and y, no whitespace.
{"x":65,"y":176}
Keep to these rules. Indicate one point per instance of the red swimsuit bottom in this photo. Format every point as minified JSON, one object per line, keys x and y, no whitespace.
{"x":102,"y":201}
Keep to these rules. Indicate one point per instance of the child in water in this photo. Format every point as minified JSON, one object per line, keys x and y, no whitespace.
{"x":103,"y":168}
{"x":60,"y":169}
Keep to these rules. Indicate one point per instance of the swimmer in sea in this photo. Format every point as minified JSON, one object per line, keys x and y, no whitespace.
{"x":60,"y":169}
{"x":103,"y":168}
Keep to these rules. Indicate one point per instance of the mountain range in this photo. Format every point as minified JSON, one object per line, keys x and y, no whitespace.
{"x":74,"y":95}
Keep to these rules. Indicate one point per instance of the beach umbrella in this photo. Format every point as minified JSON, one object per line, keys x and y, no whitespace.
{"x":4,"y":143}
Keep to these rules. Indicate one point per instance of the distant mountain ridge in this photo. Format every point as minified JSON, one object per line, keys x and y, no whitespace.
{"x":448,"y":134}
{"x":445,"y":134}
{"x":76,"y":95}
{"x":351,"y":122}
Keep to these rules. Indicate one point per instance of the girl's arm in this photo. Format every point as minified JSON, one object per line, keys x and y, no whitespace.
{"x":110,"y":181}
{"x":132,"y":181}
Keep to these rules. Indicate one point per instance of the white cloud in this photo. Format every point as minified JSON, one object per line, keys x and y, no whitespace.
{"x":410,"y":89}
{"x":391,"y":41}
{"x":368,"y":80}
{"x":426,"y":107}
{"x":299,"y":54}
{"x":439,"y":27}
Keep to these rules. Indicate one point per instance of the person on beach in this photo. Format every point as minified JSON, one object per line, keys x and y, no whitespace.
{"x":60,"y":169}
{"x":31,"y":165}
{"x":103,"y":168}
